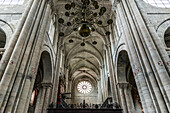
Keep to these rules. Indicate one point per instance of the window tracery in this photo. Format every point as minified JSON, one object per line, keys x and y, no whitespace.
{"x":84,"y":87}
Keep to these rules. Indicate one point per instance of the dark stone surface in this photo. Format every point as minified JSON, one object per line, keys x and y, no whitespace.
{"x":85,"y":111}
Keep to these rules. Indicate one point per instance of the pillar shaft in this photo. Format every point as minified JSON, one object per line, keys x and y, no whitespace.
{"x":155,"y":92}
{"x":17,"y":88}
{"x":14,"y":38}
{"x":41,"y":101}
{"x":8,"y":76}
{"x":129,"y":100}
{"x":122,"y":97}
{"x":34,"y":62}
{"x":135,"y":63}
{"x":56,"y":79}
{"x":38,"y":101}
{"x":155,"y":56}
{"x":47,"y":97}
{"x":112,"y":78}
{"x":99,"y":92}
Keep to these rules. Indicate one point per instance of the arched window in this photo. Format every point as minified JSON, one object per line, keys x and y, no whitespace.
{"x":167,"y":37}
{"x":159,"y":3}
{"x":2,"y":38}
{"x":51,"y":31}
{"x":11,"y":2}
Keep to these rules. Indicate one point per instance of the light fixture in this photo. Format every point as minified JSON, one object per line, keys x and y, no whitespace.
{"x":94,"y":42}
{"x":82,"y":44}
{"x":71,"y":41}
{"x":83,"y":16}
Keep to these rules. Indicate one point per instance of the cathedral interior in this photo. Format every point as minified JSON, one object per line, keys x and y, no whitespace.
{"x":83,"y":56}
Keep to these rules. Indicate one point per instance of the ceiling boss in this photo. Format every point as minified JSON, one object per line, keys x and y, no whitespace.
{"x":84,"y":16}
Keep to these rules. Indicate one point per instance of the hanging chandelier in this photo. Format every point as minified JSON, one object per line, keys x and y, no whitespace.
{"x":84,"y":16}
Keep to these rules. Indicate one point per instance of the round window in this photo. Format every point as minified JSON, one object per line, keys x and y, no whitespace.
{"x":84,"y":87}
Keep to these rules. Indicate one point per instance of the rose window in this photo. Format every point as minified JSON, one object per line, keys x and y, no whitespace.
{"x":84,"y":87}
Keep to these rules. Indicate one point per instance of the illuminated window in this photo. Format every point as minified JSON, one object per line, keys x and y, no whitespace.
{"x":51,"y":31}
{"x":11,"y":2}
{"x":159,"y":3}
{"x":84,"y":87}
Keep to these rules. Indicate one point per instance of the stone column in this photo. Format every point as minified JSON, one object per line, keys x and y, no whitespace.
{"x":43,"y":98}
{"x":56,"y":79}
{"x":102,"y":82}
{"x":152,"y":83}
{"x":99,"y":92}
{"x":40,"y":101}
{"x":8,"y":77}
{"x":111,"y":71}
{"x":122,"y":97}
{"x":155,"y":58}
{"x":146,"y":99}
{"x":66,"y":74}
{"x":70,"y":90}
{"x":47,"y":96}
{"x":17,"y":86}
{"x":129,"y":100}
{"x":14,"y":38}
{"x":34,"y":63}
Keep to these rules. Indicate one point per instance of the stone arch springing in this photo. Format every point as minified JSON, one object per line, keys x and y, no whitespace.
{"x":135,"y":94}
{"x":36,"y":88}
{"x":47,"y":67}
{"x":2,"y":38}
{"x":42,"y":84}
{"x":167,"y":37}
{"x":128,"y":92}
{"x":121,"y":66}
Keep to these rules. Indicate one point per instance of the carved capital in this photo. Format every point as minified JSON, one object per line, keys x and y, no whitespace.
{"x":122,"y":85}
{"x":125,"y":86}
{"x":50,"y":2}
{"x":46,"y":84}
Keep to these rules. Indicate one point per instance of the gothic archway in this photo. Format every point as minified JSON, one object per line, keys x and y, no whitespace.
{"x":2,"y":38}
{"x":42,"y":85}
{"x":167,"y":37}
{"x":128,"y":92}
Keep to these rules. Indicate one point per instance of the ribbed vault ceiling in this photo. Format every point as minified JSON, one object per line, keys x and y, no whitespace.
{"x":83,"y":60}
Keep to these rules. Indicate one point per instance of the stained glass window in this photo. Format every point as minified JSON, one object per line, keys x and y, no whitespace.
{"x":159,"y":3}
{"x":84,"y":87}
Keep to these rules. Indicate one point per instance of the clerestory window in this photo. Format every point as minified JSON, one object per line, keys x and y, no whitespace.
{"x":159,"y":3}
{"x":11,"y":2}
